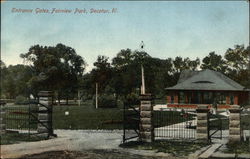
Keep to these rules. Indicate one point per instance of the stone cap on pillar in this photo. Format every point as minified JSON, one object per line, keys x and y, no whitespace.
{"x":202,"y":108}
{"x":146,"y":97}
{"x":234,"y":109}
{"x":45,"y":94}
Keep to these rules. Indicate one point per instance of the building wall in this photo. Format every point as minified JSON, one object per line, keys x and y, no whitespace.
{"x":238,"y":98}
{"x":243,"y":98}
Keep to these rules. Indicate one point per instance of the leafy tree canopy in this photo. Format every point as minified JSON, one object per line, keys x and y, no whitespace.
{"x":56,"y":67}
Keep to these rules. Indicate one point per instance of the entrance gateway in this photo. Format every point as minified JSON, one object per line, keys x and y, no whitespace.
{"x":145,"y":124}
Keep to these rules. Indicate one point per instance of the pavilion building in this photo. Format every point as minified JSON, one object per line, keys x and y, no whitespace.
{"x":206,"y":87}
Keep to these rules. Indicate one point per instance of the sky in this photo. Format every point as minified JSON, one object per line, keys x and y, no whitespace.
{"x":168,"y":28}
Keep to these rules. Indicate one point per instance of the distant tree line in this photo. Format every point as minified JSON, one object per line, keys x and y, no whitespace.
{"x":61,"y":70}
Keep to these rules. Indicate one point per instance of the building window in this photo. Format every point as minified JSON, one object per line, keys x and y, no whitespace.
{"x":199,"y":96}
{"x":231,"y":99}
{"x":220,"y":98}
{"x":194,"y":99}
{"x":208,"y":97}
{"x":172,"y":98}
{"x":181,"y":97}
{"x":188,"y":96}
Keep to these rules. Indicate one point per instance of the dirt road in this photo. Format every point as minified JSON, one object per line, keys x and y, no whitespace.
{"x":77,"y":143}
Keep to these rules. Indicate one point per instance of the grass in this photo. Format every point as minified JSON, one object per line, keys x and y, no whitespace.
{"x":15,"y":137}
{"x":238,"y":148}
{"x":86,"y":118}
{"x":80,"y":117}
{"x":176,"y":148}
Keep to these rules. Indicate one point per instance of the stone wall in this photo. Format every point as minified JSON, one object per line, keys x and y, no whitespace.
{"x":146,"y":116}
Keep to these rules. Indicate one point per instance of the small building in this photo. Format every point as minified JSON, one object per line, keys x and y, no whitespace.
{"x":206,"y":87}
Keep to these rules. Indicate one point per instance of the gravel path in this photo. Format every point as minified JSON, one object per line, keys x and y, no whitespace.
{"x":86,"y":142}
{"x":75,"y":140}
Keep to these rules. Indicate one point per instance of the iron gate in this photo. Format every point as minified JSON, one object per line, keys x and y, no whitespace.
{"x":131,"y":120}
{"x":24,"y":118}
{"x":174,"y":124}
{"x":21,"y":117}
{"x":216,"y":124}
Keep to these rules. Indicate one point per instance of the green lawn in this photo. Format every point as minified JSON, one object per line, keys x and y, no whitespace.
{"x":176,"y":148}
{"x":81,"y":117}
{"x":238,"y":147}
{"x":15,"y":137}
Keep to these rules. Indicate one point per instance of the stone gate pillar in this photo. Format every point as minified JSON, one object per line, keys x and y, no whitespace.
{"x":146,"y":127}
{"x":234,"y":124}
{"x":45,"y":113}
{"x":202,"y":122}
{"x":2,"y":119}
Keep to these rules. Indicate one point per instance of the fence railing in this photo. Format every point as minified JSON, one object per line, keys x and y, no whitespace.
{"x":171,"y":124}
{"x":245,"y":124}
{"x":19,"y":117}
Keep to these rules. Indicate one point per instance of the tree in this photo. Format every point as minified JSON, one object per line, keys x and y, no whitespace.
{"x":102,"y":72}
{"x":56,"y":68}
{"x":127,"y":66}
{"x":180,"y":64}
{"x":15,"y":80}
{"x":238,"y":60}
{"x":214,"y":62}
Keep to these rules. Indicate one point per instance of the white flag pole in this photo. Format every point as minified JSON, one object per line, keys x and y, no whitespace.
{"x":143,"y":81}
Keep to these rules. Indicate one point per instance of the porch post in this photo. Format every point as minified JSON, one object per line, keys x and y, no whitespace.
{"x":2,"y":120}
{"x":44,"y":127}
{"x":234,"y":124}
{"x":202,"y":123}
{"x":146,"y":128}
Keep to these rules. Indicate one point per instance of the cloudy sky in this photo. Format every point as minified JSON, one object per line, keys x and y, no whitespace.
{"x":168,"y":28}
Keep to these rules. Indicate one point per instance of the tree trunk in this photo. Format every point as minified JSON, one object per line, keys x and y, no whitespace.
{"x":58,"y":98}
{"x":67,"y":100}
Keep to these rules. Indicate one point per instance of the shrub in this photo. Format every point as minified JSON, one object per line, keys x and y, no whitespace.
{"x":106,"y":101}
{"x":132,"y":99}
{"x":21,"y":100}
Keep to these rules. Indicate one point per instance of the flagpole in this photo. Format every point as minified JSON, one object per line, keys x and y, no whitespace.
{"x":143,"y":81}
{"x":142,"y":73}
